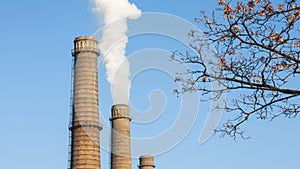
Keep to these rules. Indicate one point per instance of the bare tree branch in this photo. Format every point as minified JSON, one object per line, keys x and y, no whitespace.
{"x":257,"y":55}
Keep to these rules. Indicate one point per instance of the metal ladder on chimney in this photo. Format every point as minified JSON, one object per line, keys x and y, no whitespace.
{"x":71,"y":115}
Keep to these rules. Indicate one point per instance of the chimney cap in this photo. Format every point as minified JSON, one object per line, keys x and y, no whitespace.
{"x":146,"y":160}
{"x":120,"y":111}
{"x":146,"y":156}
{"x":80,"y":38}
{"x":120,"y":105}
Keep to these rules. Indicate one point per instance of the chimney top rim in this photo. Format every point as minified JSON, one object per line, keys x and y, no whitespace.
{"x":80,"y":38}
{"x":146,"y":156}
{"x":120,"y":105}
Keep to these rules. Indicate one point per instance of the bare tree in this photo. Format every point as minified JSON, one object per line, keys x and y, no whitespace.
{"x":257,"y":51}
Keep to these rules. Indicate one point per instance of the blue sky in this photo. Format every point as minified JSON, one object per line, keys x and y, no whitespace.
{"x":35,"y":68}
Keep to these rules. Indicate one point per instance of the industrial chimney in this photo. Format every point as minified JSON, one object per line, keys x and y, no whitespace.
{"x":146,"y":162}
{"x":85,"y":144}
{"x":120,"y":138}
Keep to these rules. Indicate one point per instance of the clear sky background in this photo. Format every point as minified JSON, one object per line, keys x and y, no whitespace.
{"x":35,"y":68}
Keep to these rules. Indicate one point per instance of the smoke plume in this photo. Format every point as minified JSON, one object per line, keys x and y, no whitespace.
{"x":114,"y":14}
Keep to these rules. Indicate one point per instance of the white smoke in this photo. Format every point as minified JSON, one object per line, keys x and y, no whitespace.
{"x":115,"y":13}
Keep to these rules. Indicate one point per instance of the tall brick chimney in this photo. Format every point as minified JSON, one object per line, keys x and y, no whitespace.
{"x":120,"y":138}
{"x":85,"y":128}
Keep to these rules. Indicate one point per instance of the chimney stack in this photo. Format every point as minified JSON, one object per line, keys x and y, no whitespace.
{"x":85,"y":148}
{"x":146,"y":162}
{"x":120,"y":138}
